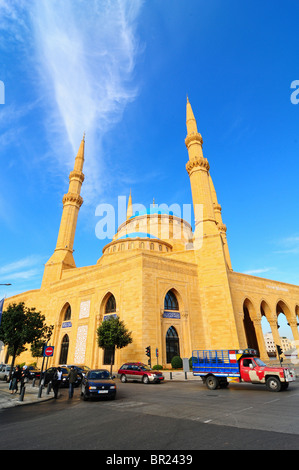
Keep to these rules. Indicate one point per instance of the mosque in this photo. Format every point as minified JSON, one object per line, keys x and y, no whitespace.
{"x":175,"y":289}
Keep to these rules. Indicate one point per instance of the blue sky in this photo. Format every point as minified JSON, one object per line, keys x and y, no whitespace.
{"x":120,"y":71}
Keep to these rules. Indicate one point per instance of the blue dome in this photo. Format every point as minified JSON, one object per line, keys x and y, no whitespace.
{"x":138,"y":235}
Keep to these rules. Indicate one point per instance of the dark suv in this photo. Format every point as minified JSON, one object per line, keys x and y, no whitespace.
{"x":139,"y":371}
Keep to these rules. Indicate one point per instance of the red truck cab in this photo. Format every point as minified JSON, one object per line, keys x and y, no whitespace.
{"x":254,"y":370}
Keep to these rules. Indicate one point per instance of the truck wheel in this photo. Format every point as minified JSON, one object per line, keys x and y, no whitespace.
{"x":273,"y":384}
{"x":212,"y":382}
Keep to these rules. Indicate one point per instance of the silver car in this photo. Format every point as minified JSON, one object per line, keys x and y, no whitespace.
{"x":4,"y":372}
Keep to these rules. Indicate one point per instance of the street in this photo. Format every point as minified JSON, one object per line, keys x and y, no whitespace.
{"x":169,"y":416}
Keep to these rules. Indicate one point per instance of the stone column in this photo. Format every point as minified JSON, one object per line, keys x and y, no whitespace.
{"x":275,"y":333}
{"x":294,"y":328}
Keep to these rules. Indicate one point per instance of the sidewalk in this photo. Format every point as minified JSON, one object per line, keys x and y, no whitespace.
{"x":7,"y":400}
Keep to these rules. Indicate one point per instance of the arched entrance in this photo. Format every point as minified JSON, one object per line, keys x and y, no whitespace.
{"x":249,"y":326}
{"x":172,"y":344}
{"x":64,"y":350}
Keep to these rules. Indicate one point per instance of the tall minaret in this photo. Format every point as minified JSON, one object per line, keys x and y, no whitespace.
{"x":198,"y":170}
{"x":209,"y":249}
{"x":62,"y":257}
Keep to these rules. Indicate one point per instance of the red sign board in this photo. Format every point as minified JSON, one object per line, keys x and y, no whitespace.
{"x":48,"y":351}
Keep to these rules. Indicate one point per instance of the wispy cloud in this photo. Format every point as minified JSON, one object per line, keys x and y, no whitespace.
{"x":85,"y":57}
{"x":254,"y":272}
{"x":289,"y":245}
{"x":22,"y":269}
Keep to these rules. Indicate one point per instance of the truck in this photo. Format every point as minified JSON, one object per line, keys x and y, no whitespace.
{"x":219,"y":367}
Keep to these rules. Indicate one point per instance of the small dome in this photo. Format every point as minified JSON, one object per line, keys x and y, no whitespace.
{"x":152,"y":211}
{"x":138,"y":235}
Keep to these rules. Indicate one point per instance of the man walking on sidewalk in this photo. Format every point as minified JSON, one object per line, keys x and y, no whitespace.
{"x":72,"y":376}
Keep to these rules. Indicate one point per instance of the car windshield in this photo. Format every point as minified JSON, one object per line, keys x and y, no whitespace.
{"x":99,"y":375}
{"x":259,"y":362}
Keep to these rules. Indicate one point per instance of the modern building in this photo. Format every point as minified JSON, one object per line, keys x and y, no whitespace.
{"x":173,"y":287}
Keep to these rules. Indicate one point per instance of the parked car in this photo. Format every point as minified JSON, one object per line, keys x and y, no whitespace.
{"x":34,"y":372}
{"x":4,"y":372}
{"x":98,"y":383}
{"x":49,"y":374}
{"x":82,"y":369}
{"x":139,"y":371}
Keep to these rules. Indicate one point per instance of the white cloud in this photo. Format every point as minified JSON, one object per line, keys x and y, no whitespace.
{"x":87,"y":57}
{"x":27,"y":266}
{"x":289,"y":245}
{"x":84,"y":55}
{"x":254,"y":272}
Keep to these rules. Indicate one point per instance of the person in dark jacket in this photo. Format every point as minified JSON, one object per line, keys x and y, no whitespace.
{"x":56,"y":381}
{"x":16,"y":377}
{"x":72,"y":377}
{"x":24,"y":377}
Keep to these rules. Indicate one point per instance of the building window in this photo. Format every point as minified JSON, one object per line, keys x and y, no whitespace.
{"x":110,"y":305}
{"x":64,"y":350}
{"x":152,"y":246}
{"x":172,"y":344}
{"x":170,"y":301}
{"x":68,"y":314}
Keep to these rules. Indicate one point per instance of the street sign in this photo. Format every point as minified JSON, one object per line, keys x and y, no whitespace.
{"x":48,"y":351}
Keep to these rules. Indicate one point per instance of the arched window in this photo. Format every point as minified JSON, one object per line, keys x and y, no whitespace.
{"x":64,"y":350}
{"x":170,"y":301}
{"x":172,"y":344}
{"x":68,"y":313}
{"x":110,"y":305}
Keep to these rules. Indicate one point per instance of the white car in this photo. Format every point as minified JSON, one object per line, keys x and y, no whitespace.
{"x":4,"y":372}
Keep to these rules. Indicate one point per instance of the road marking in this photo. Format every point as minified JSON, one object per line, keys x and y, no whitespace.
{"x":241,"y":411}
{"x":271,"y":401}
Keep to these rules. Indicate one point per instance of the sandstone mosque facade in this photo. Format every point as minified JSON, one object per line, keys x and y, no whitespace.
{"x":175,"y":293}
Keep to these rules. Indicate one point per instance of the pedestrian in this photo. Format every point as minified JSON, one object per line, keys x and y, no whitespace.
{"x":16,"y":377}
{"x":56,"y":381}
{"x":72,"y":377}
{"x":24,"y":377}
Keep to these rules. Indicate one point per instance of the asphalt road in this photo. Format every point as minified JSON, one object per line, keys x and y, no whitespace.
{"x":173,"y":416}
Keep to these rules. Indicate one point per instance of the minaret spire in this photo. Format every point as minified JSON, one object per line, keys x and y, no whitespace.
{"x":62,"y":257}
{"x":190,"y":120}
{"x":130,"y":206}
{"x":198,"y":170}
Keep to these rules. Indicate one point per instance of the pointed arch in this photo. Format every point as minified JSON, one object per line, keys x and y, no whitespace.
{"x":172,"y":344}
{"x":249,"y":315}
{"x":64,"y":349}
{"x":66,"y":312}
{"x":171,"y":301}
{"x":110,"y":304}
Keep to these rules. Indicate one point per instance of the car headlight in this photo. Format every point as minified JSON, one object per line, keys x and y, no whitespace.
{"x":112,"y":387}
{"x":92,"y":388}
